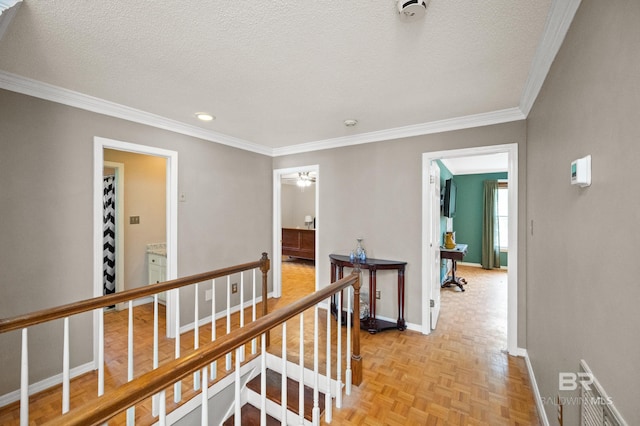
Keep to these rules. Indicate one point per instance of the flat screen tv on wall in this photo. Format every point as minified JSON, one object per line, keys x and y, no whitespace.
{"x":449,"y":199}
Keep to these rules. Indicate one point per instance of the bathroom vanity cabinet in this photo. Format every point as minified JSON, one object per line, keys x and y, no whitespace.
{"x":157,"y":271}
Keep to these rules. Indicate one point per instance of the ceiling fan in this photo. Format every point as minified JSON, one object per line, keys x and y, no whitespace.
{"x":301,"y":179}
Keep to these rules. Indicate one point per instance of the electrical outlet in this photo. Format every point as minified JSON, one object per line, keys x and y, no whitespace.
{"x":377,"y":294}
{"x":208,"y":294}
{"x":134,"y":220}
{"x":234,"y":288}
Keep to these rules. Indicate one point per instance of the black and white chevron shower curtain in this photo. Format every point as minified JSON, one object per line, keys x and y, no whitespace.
{"x":109,"y":235}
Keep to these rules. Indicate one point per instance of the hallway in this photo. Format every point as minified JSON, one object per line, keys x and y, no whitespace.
{"x":458,"y":375}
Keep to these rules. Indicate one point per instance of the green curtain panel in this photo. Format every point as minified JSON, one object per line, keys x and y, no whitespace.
{"x":490,"y":229}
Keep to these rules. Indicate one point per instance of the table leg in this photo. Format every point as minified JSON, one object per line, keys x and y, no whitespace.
{"x":372,"y":323}
{"x":402,"y":325}
{"x":453,"y":279}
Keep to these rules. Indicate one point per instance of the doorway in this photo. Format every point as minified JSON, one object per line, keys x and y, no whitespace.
{"x":429,"y":287}
{"x":100,"y":144}
{"x":113,"y":240}
{"x":279,"y":176}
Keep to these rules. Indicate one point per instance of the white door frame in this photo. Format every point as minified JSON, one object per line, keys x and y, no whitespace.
{"x":99,"y":145}
{"x":119,"y":240}
{"x":277,"y":222}
{"x":512,"y":274}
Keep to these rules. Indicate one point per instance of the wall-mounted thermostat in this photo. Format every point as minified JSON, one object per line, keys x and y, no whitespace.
{"x":581,"y":171}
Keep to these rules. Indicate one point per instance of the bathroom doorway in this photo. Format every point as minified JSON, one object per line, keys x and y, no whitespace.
{"x":169,"y":234}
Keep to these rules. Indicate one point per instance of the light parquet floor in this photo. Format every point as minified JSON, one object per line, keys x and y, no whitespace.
{"x":458,"y":375}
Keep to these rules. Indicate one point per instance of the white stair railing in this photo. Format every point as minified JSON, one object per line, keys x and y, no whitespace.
{"x":97,"y":305}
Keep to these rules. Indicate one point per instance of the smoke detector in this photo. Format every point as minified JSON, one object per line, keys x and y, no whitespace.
{"x":412,"y":10}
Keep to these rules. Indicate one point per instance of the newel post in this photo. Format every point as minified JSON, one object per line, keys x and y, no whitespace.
{"x":265,"y":265}
{"x":356,"y":358}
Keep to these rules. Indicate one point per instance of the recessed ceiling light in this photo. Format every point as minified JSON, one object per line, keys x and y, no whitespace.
{"x":204,"y":116}
{"x":350,"y":122}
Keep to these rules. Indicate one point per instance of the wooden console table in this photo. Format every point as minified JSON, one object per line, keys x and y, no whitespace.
{"x":373,"y":325}
{"x":455,"y":254}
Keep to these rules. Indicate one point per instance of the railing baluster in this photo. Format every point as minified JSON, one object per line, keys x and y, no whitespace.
{"x":301,"y":364}
{"x":162,"y":415}
{"x":100,"y":351}
{"x":315,"y":414}
{"x":357,"y":358}
{"x":242,"y":312}
{"x":238,"y":405}
{"x":154,"y":400}
{"x":283,"y":390}
{"x":253,"y":313}
{"x":177,"y":386}
{"x":24,"y":380}
{"x":228,"y":317}
{"x":131,"y":411}
{"x":350,"y":312}
{"x":328,"y":409}
{"x":339,"y":353}
{"x":65,"y":367}
{"x":263,"y":381}
{"x":204,"y":405}
{"x":214,"y":364}
{"x":196,"y":336}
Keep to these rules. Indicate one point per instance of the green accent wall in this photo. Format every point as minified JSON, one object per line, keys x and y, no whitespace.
{"x":467,"y":222}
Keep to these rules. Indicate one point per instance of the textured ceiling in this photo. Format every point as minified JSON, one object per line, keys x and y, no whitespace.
{"x":281,"y":73}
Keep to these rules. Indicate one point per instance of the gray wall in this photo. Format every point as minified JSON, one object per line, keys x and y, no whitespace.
{"x":582,"y":261}
{"x":296,"y":204}
{"x":46,"y":162}
{"x":374,"y":191}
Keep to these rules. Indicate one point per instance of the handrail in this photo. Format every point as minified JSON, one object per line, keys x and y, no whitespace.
{"x":44,"y":315}
{"x":148,"y":384}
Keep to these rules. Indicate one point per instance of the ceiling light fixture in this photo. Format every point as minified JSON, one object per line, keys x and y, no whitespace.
{"x":350,"y":122}
{"x":304,"y":180}
{"x":204,"y":116}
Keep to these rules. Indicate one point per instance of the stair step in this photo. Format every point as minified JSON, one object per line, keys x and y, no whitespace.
{"x":251,"y":417}
{"x":274,"y":392}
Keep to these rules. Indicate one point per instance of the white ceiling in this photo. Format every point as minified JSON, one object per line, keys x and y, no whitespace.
{"x":490,"y":163}
{"x":280,"y":73}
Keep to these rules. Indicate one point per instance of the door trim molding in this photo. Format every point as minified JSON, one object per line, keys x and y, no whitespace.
{"x":99,"y":144}
{"x":512,"y":274}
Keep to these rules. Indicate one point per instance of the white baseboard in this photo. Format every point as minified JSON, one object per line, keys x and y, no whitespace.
{"x":469,"y":264}
{"x":478,"y":265}
{"x":536,"y":392}
{"x":410,"y":326}
{"x":518,"y":352}
{"x":46,"y":384}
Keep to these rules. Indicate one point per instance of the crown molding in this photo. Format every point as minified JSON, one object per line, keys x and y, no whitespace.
{"x":8,"y":9}
{"x":458,"y":123}
{"x":558,"y":22}
{"x":38,"y":89}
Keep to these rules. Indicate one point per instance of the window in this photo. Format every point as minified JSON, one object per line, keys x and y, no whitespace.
{"x":503,"y":215}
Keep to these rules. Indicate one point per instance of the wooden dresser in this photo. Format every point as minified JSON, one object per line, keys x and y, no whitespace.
{"x":299,"y":243}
